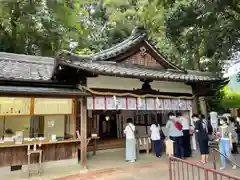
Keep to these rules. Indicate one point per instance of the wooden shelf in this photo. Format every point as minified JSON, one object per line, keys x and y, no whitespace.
{"x":26,"y":143}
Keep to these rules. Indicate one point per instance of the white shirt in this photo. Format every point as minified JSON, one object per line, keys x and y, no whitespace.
{"x":155,"y":132}
{"x":129,"y":131}
{"x":185,"y":123}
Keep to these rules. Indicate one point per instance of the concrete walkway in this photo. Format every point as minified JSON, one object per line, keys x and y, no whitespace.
{"x":110,"y":165}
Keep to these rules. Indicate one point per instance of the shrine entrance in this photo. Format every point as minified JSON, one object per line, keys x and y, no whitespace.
{"x":107,"y":126}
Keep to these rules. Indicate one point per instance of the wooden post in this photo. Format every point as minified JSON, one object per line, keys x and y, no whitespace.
{"x":32,"y":106}
{"x":74,"y":115}
{"x":203,"y":106}
{"x":84,"y":132}
{"x":195,"y":105}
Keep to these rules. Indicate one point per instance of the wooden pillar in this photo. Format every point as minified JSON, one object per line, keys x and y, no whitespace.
{"x":84,"y":132}
{"x":74,"y":115}
{"x":203,"y":106}
{"x":195,"y":105}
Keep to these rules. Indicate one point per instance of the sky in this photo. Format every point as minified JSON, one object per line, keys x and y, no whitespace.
{"x":233,"y":69}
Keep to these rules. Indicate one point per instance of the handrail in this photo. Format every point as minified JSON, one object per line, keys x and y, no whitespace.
{"x":216,"y":150}
{"x":204,"y":168}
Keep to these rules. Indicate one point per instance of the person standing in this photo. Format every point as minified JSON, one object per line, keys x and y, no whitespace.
{"x":175,"y":133}
{"x":194,"y":119}
{"x":156,"y":137}
{"x":186,"y":134}
{"x":129,"y":131}
{"x":233,"y":129}
{"x":202,"y":137}
{"x":225,"y":143}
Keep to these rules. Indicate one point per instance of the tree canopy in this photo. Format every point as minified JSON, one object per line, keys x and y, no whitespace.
{"x":195,"y":34}
{"x":41,"y":27}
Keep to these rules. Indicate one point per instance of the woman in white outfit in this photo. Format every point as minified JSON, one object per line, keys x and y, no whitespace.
{"x":129,"y":131}
{"x":192,"y":127}
{"x":156,"y":137}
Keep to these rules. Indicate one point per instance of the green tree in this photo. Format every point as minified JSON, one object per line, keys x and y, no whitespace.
{"x":205,"y":30}
{"x":113,"y":21}
{"x":41,"y":27}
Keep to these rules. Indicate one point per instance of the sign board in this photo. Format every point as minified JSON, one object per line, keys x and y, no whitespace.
{"x":14,"y":106}
{"x":46,"y":106}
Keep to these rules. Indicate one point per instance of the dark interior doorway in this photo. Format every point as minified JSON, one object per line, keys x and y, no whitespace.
{"x":108,"y":128}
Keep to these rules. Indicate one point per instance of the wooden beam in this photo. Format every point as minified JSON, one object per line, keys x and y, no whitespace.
{"x":84,"y":132}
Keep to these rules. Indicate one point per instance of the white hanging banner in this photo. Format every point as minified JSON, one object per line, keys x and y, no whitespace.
{"x":189,"y":105}
{"x":182,"y":105}
{"x":121,"y":103}
{"x":143,"y":104}
{"x":99,"y":103}
{"x":175,"y":104}
{"x":131,"y":103}
{"x":159,"y":104}
{"x":150,"y":104}
{"x":90,"y":103}
{"x":167,"y":104}
{"x":110,"y":103}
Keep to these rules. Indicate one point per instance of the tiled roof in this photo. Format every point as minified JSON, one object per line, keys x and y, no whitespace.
{"x":41,"y":90}
{"x":25,"y":67}
{"x":123,"y":70}
{"x":138,"y":36}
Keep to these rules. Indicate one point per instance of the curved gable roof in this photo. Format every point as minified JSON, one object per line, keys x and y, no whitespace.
{"x":129,"y":47}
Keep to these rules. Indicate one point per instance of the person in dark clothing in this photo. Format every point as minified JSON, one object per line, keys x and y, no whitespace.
{"x":202,"y":137}
{"x":186,"y":134}
{"x":233,"y":125}
{"x":210,"y":130}
{"x":238,"y":131}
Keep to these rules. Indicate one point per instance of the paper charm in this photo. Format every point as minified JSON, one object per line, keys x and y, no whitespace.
{"x":180,"y":104}
{"x":139,"y":102}
{"x":115,"y":101}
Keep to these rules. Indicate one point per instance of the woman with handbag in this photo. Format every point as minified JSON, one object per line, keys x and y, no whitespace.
{"x":129,"y":131}
{"x":156,"y":137}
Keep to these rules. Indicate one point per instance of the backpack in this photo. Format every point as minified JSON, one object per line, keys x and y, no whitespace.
{"x":178,"y":125}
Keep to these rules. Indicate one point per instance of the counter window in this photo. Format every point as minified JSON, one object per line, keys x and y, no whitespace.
{"x":49,"y":127}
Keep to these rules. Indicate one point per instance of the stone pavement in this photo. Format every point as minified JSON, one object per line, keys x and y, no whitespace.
{"x":156,"y":170}
{"x":111,"y":165}
{"x":151,"y":171}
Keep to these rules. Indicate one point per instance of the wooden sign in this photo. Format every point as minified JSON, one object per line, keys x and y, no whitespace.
{"x":14,"y":106}
{"x":46,"y":106}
